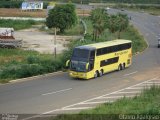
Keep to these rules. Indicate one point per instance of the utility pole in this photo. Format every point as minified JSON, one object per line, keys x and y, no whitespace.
{"x":82,"y":7}
{"x":55,"y":42}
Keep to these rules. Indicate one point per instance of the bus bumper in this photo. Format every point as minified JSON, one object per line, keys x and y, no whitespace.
{"x":79,"y":75}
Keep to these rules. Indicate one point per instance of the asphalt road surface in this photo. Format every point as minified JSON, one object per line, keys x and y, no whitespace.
{"x":54,"y":92}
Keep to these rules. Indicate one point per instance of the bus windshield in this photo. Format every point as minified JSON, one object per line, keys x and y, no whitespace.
{"x":80,"y":53}
{"x":79,"y":59}
{"x":78,"y":66}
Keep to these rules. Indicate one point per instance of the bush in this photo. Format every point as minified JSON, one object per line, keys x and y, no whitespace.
{"x":34,"y":66}
{"x":28,"y":70}
{"x":17,"y":24}
{"x":33,"y":59}
{"x":8,"y":72}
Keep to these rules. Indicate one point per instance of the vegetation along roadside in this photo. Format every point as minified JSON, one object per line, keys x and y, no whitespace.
{"x":17,"y":63}
{"x":18,"y":24}
{"x":143,"y":107}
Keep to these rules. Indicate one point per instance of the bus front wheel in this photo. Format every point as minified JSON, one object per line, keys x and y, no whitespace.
{"x":96,"y":74}
{"x":100,"y":73}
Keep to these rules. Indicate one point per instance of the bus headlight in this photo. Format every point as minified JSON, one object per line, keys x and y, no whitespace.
{"x":71,"y":73}
{"x":84,"y":75}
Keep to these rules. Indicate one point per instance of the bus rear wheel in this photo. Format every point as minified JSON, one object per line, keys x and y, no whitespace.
{"x":119,"y":67}
{"x":124,"y":66}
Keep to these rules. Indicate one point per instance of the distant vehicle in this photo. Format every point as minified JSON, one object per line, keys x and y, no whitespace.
{"x":122,"y":9}
{"x":158,"y":42}
{"x":142,"y":11}
{"x":93,"y":60}
{"x":107,"y":8}
{"x":7,"y":39}
{"x":6,"y":33}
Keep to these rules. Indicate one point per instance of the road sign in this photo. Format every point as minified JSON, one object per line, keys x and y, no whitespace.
{"x":32,"y":5}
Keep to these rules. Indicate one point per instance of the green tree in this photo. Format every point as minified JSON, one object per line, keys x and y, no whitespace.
{"x":62,"y":17}
{"x":112,"y":23}
{"x":99,"y":18}
{"x":118,"y":23}
{"x":123,"y":23}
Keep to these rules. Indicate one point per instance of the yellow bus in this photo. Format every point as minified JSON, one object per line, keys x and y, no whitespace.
{"x":93,"y":60}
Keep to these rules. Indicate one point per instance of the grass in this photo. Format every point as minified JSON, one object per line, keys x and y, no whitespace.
{"x":138,"y":42}
{"x":17,"y":24}
{"x":16,"y":63}
{"x":75,"y":30}
{"x":9,"y":55}
{"x":145,"y":104}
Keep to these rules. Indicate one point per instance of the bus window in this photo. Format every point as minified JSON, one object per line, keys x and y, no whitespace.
{"x":80,"y":53}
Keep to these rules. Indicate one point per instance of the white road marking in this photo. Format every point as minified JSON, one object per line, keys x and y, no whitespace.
{"x":68,"y":107}
{"x":130,"y":73}
{"x":137,"y":88}
{"x":57,"y":91}
{"x":131,"y":92}
{"x":122,"y":96}
{"x":78,"y":108}
{"x":48,"y":112}
{"x":88,"y":103}
{"x":110,"y":93}
{"x":153,"y":83}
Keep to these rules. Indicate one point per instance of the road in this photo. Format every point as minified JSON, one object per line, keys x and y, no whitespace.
{"x":47,"y":94}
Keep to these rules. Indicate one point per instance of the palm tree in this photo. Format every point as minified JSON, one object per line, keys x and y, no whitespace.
{"x":98,"y":17}
{"x":118,"y":23}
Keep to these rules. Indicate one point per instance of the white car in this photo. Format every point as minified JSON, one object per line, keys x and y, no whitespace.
{"x":107,"y":8}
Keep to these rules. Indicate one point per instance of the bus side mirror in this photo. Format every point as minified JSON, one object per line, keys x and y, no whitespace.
{"x":67,"y":63}
{"x":87,"y":66}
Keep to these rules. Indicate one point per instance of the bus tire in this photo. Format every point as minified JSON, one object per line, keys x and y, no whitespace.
{"x":119,"y":67}
{"x":100,"y":73}
{"x":96,"y":74}
{"x":124,"y":66}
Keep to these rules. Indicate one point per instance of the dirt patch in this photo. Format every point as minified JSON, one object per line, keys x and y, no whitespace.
{"x":33,"y":39}
{"x":14,"y":12}
{"x":5,"y":12}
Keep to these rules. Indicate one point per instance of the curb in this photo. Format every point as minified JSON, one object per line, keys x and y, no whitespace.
{"x":33,"y":77}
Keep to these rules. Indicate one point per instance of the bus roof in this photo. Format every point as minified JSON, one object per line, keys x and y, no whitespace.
{"x":104,"y":44}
